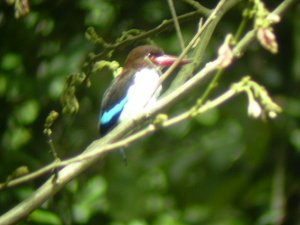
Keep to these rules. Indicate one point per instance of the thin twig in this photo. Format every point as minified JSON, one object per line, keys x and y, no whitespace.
{"x":214,"y":82}
{"x":166,"y":24}
{"x":278,"y":188}
{"x":197,"y":5}
{"x":176,"y":23}
{"x":212,"y":17}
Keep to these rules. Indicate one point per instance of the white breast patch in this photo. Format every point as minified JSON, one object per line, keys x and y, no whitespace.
{"x":142,"y":94}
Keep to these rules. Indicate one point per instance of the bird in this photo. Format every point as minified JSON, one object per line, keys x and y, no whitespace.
{"x":136,"y":89}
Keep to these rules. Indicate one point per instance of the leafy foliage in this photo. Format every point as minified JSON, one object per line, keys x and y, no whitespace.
{"x":221,"y":167}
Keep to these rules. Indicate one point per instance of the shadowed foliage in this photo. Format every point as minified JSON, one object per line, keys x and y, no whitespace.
{"x":221,"y":167}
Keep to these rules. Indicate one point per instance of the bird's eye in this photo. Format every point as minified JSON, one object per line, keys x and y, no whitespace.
{"x":150,"y":56}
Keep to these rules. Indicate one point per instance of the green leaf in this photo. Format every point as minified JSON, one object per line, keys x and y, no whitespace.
{"x":27,"y":112}
{"x":17,"y":137}
{"x":11,"y":61}
{"x":45,"y":217}
{"x":3,"y":84}
{"x":90,"y":199}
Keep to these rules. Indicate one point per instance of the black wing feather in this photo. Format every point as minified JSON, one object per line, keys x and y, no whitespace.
{"x":112,"y":96}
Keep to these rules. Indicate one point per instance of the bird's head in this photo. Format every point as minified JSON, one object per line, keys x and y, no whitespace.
{"x":142,"y":56}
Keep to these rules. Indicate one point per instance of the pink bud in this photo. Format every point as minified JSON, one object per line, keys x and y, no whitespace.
{"x":267,"y":39}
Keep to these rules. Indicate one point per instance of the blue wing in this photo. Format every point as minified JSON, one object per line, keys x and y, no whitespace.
{"x":107,"y":116}
{"x":110,"y":117}
{"x":113,"y":103}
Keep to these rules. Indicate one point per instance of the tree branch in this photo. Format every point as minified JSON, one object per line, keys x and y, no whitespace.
{"x":160,"y":28}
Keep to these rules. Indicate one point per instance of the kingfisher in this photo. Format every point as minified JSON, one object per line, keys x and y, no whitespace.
{"x":136,"y":89}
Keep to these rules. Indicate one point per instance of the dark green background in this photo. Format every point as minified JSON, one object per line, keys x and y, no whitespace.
{"x":219,"y":168}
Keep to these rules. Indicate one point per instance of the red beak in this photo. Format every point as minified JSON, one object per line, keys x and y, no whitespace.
{"x":168,"y":60}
